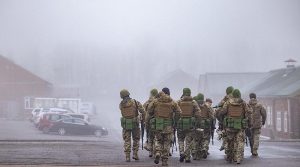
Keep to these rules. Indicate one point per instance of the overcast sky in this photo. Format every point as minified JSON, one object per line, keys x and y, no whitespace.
{"x":158,"y":36}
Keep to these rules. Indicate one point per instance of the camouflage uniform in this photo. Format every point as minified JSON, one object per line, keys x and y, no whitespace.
{"x":259,"y":118}
{"x":202,"y":138}
{"x":150,"y":132}
{"x":237,"y":117}
{"x":221,"y":119}
{"x":163,"y":111}
{"x":190,"y":110}
{"x":130,"y":121}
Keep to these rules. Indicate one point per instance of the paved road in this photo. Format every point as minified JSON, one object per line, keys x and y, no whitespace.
{"x":107,"y":151}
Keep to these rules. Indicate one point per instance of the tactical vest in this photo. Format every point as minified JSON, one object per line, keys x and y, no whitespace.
{"x":235,"y":111}
{"x":187,"y":108}
{"x":204,"y":112}
{"x":128,"y":111}
{"x":235,"y":117}
{"x":163,"y":110}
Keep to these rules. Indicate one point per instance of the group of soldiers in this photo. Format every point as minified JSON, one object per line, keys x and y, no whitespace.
{"x":194,"y":119}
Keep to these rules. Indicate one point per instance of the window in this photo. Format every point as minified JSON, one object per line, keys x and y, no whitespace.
{"x":285,"y":125}
{"x":27,"y":103}
{"x":278,"y":121}
{"x":54,"y":117}
{"x":67,"y":121}
{"x":79,"y":121}
{"x":269,"y":116}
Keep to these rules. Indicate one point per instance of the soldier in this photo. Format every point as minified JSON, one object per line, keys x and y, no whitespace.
{"x":196,"y":149}
{"x":150,"y":133}
{"x":130,"y":121}
{"x":164,"y":111}
{"x":220,"y":119}
{"x":259,"y":119}
{"x":237,"y":117}
{"x":203,"y":128}
{"x":185,"y":126}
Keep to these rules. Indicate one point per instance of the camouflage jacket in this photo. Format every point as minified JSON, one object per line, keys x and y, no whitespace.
{"x":146,"y":106}
{"x":221,"y":104}
{"x":163,"y":98}
{"x":247,"y":113}
{"x":258,"y":113}
{"x":196,"y":109}
{"x":138,"y":106}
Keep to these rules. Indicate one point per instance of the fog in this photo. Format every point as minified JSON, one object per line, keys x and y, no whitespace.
{"x":103,"y":46}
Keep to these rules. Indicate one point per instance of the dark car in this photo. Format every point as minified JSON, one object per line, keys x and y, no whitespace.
{"x":78,"y":127}
{"x":48,"y":119}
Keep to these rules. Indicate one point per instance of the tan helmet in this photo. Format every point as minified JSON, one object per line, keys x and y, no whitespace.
{"x":124,"y":93}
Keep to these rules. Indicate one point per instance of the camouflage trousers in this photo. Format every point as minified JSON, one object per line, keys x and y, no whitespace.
{"x":255,"y":139}
{"x":135,"y":134}
{"x":200,"y":144}
{"x":236,"y":142}
{"x":162,"y":144}
{"x":150,"y":140}
{"x":185,"y":138}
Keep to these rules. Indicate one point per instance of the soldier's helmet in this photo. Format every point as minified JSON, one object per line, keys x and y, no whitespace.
{"x":252,"y":96}
{"x":200,"y":96}
{"x":124,"y":93}
{"x":154,"y":92}
{"x":186,"y":92}
{"x":195,"y":98}
{"x":229,"y":90}
{"x":236,"y":93}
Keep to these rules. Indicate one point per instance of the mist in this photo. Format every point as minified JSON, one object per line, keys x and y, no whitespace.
{"x":104,"y":46}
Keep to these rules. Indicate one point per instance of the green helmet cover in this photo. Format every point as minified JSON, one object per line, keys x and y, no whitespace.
{"x":154,"y":92}
{"x":200,"y":96}
{"x":186,"y":91}
{"x":236,"y":93}
{"x":229,"y":90}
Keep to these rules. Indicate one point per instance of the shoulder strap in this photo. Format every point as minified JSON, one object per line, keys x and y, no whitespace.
{"x":136,"y":108}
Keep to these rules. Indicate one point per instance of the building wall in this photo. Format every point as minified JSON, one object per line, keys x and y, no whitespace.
{"x":15,"y":84}
{"x":283,"y":117}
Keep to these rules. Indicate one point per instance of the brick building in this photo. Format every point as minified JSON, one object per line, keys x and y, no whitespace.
{"x":16,"y":85}
{"x":279,"y":92}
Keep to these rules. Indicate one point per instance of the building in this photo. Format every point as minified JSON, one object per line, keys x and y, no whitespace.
{"x":213,"y":85}
{"x":176,"y":81}
{"x":16,"y":86}
{"x":279,"y":91}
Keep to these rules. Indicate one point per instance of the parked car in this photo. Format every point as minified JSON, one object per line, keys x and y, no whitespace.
{"x":42,"y":111}
{"x":77,"y":126}
{"x":81,"y":116}
{"x":34,"y":114}
{"x":48,"y":119}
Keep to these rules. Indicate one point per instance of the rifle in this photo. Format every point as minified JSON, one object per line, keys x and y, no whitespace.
{"x":174,"y":139}
{"x":142,"y":123}
{"x":249,"y":137}
{"x":143,"y":130}
{"x":213,"y":127}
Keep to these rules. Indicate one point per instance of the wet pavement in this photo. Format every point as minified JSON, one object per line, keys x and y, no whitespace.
{"x":28,"y":146}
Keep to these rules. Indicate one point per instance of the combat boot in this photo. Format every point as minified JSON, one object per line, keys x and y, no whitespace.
{"x":164,"y":162}
{"x":127,"y":157}
{"x":182,"y":157}
{"x":204,"y":154}
{"x":254,"y":153}
{"x":150,"y":154}
{"x":135,"y":155}
{"x":157,"y":157}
